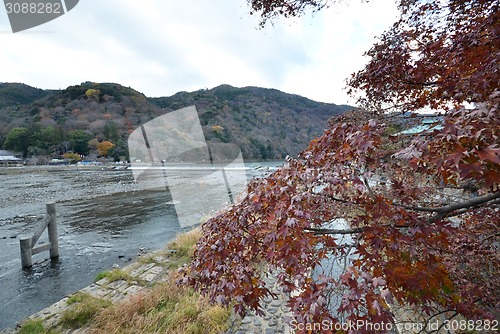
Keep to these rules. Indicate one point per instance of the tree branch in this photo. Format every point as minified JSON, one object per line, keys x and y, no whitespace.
{"x":424,"y":84}
{"x":441,"y":215}
{"x":441,"y":212}
{"x":444,"y":323}
{"x":336,"y":199}
{"x":317,"y":231}
{"x":357,"y":230}
{"x":476,"y":201}
{"x":426,"y":324}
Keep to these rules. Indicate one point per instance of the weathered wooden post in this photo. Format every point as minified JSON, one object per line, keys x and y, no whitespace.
{"x":27,"y":243}
{"x":52,"y":230}
{"x":26,"y":255}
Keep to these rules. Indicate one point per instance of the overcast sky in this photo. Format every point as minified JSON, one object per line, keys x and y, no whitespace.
{"x":160,"y":47}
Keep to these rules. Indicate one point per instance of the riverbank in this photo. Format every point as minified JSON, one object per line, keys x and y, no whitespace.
{"x":132,"y":300}
{"x":103,"y":220}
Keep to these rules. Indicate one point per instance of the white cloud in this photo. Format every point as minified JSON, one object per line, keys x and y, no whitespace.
{"x":161,"y":47}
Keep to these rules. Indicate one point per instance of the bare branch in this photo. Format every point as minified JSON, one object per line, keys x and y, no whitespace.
{"x":441,"y":212}
{"x":476,"y":201}
{"x":357,"y":230}
{"x":444,"y":323}
{"x":426,"y":324}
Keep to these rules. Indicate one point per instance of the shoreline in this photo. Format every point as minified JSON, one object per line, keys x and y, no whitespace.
{"x":146,"y":272}
{"x":33,"y":186}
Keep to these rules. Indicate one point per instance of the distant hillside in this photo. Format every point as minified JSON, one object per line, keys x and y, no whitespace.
{"x":12,"y":94}
{"x":265,"y":123}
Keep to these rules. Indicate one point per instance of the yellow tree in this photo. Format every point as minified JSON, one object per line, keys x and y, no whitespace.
{"x":93,"y":94}
{"x":104,"y":147}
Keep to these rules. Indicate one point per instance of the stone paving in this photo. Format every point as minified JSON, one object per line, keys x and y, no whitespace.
{"x":153,"y":268}
{"x":273,"y":322}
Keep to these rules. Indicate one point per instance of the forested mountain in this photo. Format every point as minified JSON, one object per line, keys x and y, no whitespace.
{"x":12,"y":94}
{"x":265,"y":123}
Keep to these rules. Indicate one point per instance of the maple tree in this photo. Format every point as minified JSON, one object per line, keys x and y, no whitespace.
{"x":364,"y":224}
{"x":438,"y":54}
{"x":270,"y":9}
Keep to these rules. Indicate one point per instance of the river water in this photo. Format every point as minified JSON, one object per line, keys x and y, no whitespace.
{"x":103,"y":220}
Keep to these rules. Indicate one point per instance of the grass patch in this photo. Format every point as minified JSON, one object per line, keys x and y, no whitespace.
{"x":119,"y":275}
{"x":84,"y":308}
{"x":100,"y":276}
{"x":115,"y":275}
{"x":147,"y":259}
{"x":184,"y":246}
{"x":77,"y":298}
{"x":167,"y":308}
{"x":32,"y":326}
{"x":156,"y":258}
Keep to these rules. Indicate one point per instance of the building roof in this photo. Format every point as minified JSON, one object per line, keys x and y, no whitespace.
{"x":7,"y":153}
{"x":9,"y":158}
{"x":428,"y":124}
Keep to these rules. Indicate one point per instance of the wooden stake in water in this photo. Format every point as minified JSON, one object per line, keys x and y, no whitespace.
{"x":27,"y":242}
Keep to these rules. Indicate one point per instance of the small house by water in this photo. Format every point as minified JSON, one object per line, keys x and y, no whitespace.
{"x":9,"y":158}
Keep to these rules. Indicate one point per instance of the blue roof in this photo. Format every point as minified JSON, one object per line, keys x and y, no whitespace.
{"x":428,"y":124}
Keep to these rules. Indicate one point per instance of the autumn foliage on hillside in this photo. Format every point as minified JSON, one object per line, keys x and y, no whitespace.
{"x":265,"y":123}
{"x":407,"y":223}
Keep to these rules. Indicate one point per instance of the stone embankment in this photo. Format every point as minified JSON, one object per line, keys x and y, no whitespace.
{"x":148,"y":270}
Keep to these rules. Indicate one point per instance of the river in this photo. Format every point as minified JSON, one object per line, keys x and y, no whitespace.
{"x":103,"y":220}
